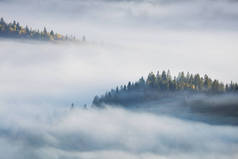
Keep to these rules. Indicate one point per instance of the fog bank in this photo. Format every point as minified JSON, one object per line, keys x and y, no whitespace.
{"x":92,"y":133}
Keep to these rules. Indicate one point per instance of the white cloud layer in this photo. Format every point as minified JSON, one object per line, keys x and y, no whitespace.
{"x":67,"y":73}
{"x":92,"y":133}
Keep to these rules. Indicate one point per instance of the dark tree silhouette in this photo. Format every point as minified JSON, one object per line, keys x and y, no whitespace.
{"x":163,"y":85}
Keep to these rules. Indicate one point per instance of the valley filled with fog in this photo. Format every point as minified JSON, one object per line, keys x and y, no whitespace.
{"x":125,"y":39}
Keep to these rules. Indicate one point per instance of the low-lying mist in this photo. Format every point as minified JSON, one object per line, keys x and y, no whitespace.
{"x":66,"y":73}
{"x":217,"y":109}
{"x":35,"y":132}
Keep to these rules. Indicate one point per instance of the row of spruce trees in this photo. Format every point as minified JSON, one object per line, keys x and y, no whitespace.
{"x":15,"y":30}
{"x":161,"y":85}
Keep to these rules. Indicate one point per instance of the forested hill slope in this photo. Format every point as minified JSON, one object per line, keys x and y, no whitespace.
{"x":162,"y":85}
{"x":16,"y":31}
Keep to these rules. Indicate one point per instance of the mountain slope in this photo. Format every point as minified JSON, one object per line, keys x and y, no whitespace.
{"x":16,"y":31}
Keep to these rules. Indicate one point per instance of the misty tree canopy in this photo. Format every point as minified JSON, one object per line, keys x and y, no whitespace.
{"x":160,"y":85}
{"x":15,"y":30}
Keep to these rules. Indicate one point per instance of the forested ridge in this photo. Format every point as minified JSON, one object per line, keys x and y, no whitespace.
{"x":161,"y":85}
{"x":15,"y":30}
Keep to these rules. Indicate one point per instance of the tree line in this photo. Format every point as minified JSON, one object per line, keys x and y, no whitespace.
{"x":15,"y":30}
{"x":160,"y":85}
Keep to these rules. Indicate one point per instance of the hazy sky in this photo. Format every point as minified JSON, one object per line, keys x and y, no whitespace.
{"x":127,"y":39}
